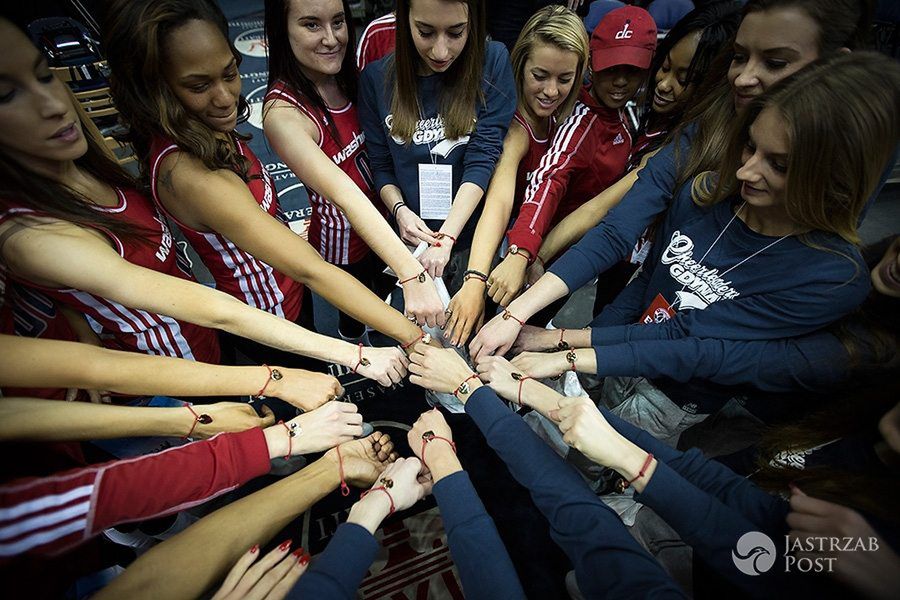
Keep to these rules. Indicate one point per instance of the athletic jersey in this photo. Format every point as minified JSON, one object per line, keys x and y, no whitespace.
{"x":377,"y":40}
{"x":589,"y":152}
{"x":537,"y":148}
{"x":235,"y":271}
{"x":124,"y":328}
{"x":330,"y":233}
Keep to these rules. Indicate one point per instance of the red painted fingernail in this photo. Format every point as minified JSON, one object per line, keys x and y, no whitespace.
{"x":298,"y":552}
{"x":285,"y":545}
{"x":304,"y":559}
{"x":254,"y":549}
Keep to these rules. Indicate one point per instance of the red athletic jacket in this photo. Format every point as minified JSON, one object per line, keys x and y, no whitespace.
{"x":376,"y":41}
{"x":589,"y":153}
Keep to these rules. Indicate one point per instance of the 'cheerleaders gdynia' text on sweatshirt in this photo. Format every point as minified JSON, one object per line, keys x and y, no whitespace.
{"x":472,"y":156}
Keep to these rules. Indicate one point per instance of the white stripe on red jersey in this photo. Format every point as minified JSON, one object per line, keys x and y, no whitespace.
{"x":376,"y":41}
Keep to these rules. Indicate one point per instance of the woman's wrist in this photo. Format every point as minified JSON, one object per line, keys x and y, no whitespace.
{"x":276,"y":440}
{"x":629,"y":460}
{"x":442,"y":460}
{"x":370,"y":511}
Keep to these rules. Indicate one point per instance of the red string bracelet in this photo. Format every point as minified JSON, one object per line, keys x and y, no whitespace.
{"x":420,"y":277}
{"x":429,"y":436}
{"x":345,"y":489}
{"x":441,"y":236}
{"x":521,"y":379}
{"x":262,"y":390}
{"x":407,"y":345}
{"x":640,"y":474}
{"x":382,"y":489}
{"x":463,"y":388}
{"x":362,"y":362}
{"x":563,"y":344}
{"x":571,"y":357}
{"x":509,"y":315}
{"x":203,"y":418}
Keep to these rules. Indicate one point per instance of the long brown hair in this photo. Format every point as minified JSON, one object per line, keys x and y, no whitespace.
{"x":842,"y":117}
{"x":841,"y":23}
{"x":134,"y":37}
{"x":462,"y":83}
{"x":556,"y":26}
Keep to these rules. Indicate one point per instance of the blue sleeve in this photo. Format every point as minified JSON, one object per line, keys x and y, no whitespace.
{"x":484,"y":565}
{"x":614,"y":237}
{"x":339,"y":570}
{"x":812,"y":362}
{"x":609,"y":563}
{"x":494,"y":116}
{"x":371,"y":89}
{"x":627,"y":306}
{"x":792,"y":312}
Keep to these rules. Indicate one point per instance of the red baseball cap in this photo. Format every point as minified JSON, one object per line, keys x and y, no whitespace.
{"x":625,"y":36}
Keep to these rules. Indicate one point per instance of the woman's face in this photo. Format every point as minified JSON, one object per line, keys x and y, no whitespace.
{"x":202,"y":73}
{"x":548,"y":77}
{"x":317,"y":30}
{"x":763,"y":172}
{"x":672,"y":88}
{"x":439,"y":31}
{"x":886,"y":274}
{"x":769,"y":46}
{"x":38,"y":123}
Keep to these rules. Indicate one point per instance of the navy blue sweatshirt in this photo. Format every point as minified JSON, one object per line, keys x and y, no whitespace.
{"x":471,"y":535}
{"x":473,"y":157}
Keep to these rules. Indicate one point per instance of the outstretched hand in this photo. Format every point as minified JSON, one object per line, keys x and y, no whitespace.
{"x":364,"y":459}
{"x":271,"y":578}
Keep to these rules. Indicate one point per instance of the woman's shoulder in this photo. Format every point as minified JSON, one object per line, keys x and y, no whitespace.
{"x":496,"y":57}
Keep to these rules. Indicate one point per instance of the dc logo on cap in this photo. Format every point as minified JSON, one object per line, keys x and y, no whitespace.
{"x":625,"y":33}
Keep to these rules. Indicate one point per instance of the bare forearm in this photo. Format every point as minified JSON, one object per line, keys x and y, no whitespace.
{"x":489,"y":232}
{"x":222,"y":538}
{"x":547,"y":289}
{"x":467,"y":198}
{"x":540,"y":397}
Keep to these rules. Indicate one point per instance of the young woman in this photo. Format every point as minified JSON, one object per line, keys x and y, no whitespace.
{"x":776,"y":39}
{"x":589,"y":152}
{"x":310,"y":120}
{"x":435,"y":114}
{"x":549,"y":60}
{"x":767,"y":251}
{"x":177,"y":84}
{"x":73,"y":226}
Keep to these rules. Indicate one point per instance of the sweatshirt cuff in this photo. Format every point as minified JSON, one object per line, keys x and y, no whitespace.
{"x":525,"y":239}
{"x":616,"y":360}
{"x":485,"y":407}
{"x":608,"y":336}
{"x":253,"y":458}
{"x":479,"y":175}
{"x":383,"y":178}
{"x":348,"y":555}
{"x":574,"y":268}
{"x":457,"y":499}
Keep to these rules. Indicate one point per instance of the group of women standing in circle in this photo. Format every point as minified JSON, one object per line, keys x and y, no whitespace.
{"x":740,"y":201}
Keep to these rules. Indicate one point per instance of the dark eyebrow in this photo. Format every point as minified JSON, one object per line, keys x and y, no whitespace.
{"x":782,"y":50}
{"x":459,"y":25}
{"x":202,"y":77}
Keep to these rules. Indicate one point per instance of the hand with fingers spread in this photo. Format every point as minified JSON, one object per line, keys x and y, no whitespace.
{"x":507,"y":279}
{"x":436,"y":257}
{"x":387,"y":366}
{"x":331,"y":424}
{"x":304,"y":389}
{"x":269,"y":579}
{"x":432,"y":441}
{"x":874,"y":573}
{"x":536,"y":339}
{"x":466,"y":312}
{"x":422,"y":302}
{"x":496,"y":337}
{"x":224,"y":417}
{"x":440,"y":370}
{"x":413,"y":229}
{"x":363,"y":460}
{"x":402,"y":484}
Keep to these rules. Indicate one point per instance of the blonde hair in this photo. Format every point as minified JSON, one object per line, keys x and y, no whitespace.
{"x":842,"y":117}
{"x":557,"y":26}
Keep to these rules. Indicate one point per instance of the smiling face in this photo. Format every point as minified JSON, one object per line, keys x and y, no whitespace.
{"x":38,"y":124}
{"x":317,"y":30}
{"x":202,"y":73}
{"x":439,"y":31}
{"x":769,"y":46}
{"x":886,"y":274}
{"x":672,"y":88}
{"x":547,"y":79}
{"x":763,"y":172}
{"x":615,"y":86}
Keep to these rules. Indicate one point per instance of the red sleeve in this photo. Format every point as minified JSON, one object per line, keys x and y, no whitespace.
{"x":48,"y":515}
{"x":570,"y":145}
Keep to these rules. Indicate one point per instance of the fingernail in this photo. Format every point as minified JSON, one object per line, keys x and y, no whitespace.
{"x":285,"y":545}
{"x":254,"y":549}
{"x":298,"y":552}
{"x":304,"y":559}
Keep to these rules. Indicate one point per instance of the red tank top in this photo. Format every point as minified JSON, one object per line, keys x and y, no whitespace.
{"x":532,"y":159}
{"x":124,"y":328}
{"x":235,"y":271}
{"x":330,"y":233}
